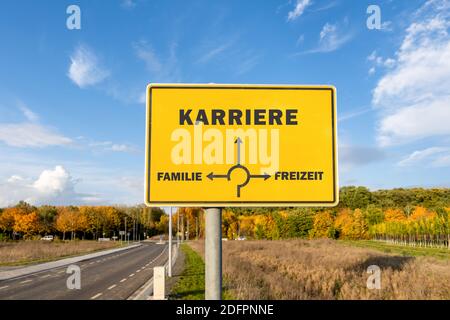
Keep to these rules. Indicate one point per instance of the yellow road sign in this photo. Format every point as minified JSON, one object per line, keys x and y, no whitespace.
{"x":241,"y":145}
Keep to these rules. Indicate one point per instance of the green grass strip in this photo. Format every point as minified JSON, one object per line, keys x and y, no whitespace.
{"x":439,"y":253}
{"x":191,"y":283}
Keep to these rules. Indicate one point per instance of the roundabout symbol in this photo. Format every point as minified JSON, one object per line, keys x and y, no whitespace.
{"x":239,"y":166}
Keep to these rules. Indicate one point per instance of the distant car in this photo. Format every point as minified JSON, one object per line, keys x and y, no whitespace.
{"x":241,"y":238}
{"x":47,"y":238}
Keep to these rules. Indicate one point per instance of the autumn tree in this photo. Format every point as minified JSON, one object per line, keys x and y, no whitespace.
{"x":323,"y":226}
{"x":26,"y":224}
{"x":65,"y":220}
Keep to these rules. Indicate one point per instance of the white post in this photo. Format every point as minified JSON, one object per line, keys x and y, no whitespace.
{"x":213,"y":254}
{"x":170,"y":244}
{"x":159,"y":286}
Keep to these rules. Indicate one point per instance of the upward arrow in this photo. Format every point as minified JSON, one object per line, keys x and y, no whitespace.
{"x":238,"y":142}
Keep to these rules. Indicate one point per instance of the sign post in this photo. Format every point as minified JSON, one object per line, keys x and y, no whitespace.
{"x":220,"y":145}
{"x":213,"y":254}
{"x":170,"y":244}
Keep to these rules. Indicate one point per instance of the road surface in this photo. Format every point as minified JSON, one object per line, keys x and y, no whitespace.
{"x":114,"y":276}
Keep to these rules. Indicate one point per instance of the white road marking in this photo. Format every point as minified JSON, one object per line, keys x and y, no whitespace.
{"x":92,"y":262}
{"x":112,"y":287}
{"x":61,"y":271}
{"x":132,"y":275}
{"x":138,"y":270}
{"x":124,"y":279}
{"x":26,"y":281}
{"x":97,"y":295}
{"x":46,"y":276}
{"x":4,"y":287}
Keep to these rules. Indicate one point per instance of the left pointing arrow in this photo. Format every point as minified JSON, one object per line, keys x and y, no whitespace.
{"x":211,"y":176}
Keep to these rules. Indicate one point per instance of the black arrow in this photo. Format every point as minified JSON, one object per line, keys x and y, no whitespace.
{"x":211,"y":176}
{"x":238,"y":142}
{"x":265,"y":176}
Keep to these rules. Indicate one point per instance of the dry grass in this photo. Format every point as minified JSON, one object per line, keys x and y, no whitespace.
{"x":24,"y":252}
{"x":326,"y":269}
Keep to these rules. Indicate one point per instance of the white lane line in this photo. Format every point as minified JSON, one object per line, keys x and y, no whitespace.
{"x":92,"y":262}
{"x":124,"y":279}
{"x":26,"y":281}
{"x":131,"y":275}
{"x":139,"y":270}
{"x":46,"y":276}
{"x":112,"y":287}
{"x":96,"y":296}
{"x":4,"y":287}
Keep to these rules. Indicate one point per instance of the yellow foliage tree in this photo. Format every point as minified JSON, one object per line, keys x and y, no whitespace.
{"x":323,"y":225}
{"x":394,"y":215}
{"x":27,"y":224}
{"x":421,"y":213}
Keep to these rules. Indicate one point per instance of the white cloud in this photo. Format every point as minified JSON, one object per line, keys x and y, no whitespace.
{"x":15,"y":178}
{"x":161,"y":70}
{"x":378,"y":61}
{"x":247,"y":62}
{"x":387,"y":26}
{"x":122,"y":148}
{"x":434,"y":156}
{"x":29,"y":115}
{"x":85,"y":69}
{"x":53,"y":181}
{"x":214,"y":52}
{"x":298,"y":10}
{"x":353,"y":114}
{"x":115,"y":147}
{"x":414,"y":97}
{"x":300,"y":40}
{"x":331,"y":38}
{"x":31,"y":135}
{"x":53,"y":186}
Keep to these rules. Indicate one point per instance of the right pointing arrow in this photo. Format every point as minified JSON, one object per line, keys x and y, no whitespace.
{"x":265,"y":176}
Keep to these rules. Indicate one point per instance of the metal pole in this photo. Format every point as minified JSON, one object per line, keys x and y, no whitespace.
{"x":178,"y":228}
{"x":187,"y":233}
{"x":213,"y":254}
{"x":182,"y":227}
{"x":126,"y":230}
{"x":170,"y":243}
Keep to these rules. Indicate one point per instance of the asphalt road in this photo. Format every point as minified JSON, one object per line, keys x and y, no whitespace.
{"x":115,"y":276}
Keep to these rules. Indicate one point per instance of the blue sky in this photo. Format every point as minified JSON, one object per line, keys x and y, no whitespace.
{"x":72,"y":111}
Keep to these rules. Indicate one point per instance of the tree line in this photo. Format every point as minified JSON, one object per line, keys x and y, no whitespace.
{"x":25,"y":221}
{"x":416,"y":217}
